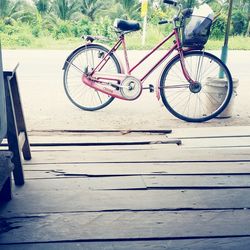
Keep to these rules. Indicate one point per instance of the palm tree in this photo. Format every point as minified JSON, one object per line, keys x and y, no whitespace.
{"x":42,"y":6}
{"x":9,"y":8}
{"x":66,"y":9}
{"x":17,"y":10}
{"x":91,"y":8}
{"x":130,"y":8}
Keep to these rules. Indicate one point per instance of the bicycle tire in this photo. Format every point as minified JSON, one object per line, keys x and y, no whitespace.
{"x":174,"y":86}
{"x":81,"y":95}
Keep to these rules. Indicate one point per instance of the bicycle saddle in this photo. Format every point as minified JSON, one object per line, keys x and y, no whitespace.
{"x":124,"y":25}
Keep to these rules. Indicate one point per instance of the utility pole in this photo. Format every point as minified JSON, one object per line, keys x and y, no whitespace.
{"x":224,"y":50}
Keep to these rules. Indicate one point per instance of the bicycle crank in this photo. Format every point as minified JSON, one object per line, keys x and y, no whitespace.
{"x":117,"y":85}
{"x":131,"y":88}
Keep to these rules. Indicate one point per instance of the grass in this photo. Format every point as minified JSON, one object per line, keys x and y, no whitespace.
{"x":134,"y":41}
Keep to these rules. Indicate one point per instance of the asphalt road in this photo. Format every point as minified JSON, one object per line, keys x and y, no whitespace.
{"x":46,"y":106}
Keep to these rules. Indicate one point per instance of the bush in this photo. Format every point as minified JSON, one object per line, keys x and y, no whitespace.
{"x":159,"y":15}
{"x":219,"y":27}
{"x":82,"y":27}
{"x":36,"y":30}
{"x":239,"y":23}
{"x":16,"y":41}
{"x":23,"y":40}
{"x":62,"y":30}
{"x":104,"y":27}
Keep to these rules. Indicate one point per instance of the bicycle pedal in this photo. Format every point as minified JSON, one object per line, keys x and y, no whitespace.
{"x":151,"y":88}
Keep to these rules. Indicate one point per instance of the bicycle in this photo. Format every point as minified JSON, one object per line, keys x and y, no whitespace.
{"x":94,"y":76}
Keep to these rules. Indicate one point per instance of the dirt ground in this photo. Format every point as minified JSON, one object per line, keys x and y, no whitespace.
{"x":46,"y":106}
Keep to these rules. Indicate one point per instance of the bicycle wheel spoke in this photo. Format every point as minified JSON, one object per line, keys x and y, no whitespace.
{"x":99,"y":96}
{"x":82,"y":62}
{"x":197,"y":102}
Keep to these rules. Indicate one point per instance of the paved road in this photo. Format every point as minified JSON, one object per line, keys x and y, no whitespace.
{"x":47,"y":107}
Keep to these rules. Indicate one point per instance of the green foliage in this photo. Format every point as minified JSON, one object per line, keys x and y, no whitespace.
{"x":188,"y":3}
{"x":17,"y":34}
{"x":83,"y":27}
{"x":62,"y":30}
{"x":23,"y":24}
{"x":104,"y":28}
{"x":239,"y":23}
{"x":129,"y":9}
{"x":91,"y":8}
{"x":160,"y":14}
{"x":66,"y":9}
{"x":219,"y":27}
{"x":42,"y":6}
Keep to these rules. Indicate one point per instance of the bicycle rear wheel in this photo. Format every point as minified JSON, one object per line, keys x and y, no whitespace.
{"x":199,"y":102}
{"x":86,"y":58}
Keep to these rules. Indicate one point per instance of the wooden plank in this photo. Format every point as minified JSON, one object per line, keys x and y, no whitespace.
{"x":216,"y":142}
{"x":94,"y":138}
{"x":121,"y":169}
{"x":12,"y":131}
{"x":126,"y":225}
{"x":88,"y":137}
{"x":198,"y":181}
{"x":159,"y":154}
{"x":19,"y":114}
{"x":108,"y":147}
{"x":230,"y":243}
{"x":35,"y":198}
{"x":143,"y":182}
{"x":98,"y":132}
{"x":207,"y":132}
{"x":130,"y":182}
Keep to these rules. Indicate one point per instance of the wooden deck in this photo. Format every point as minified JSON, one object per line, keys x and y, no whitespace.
{"x":133,"y":190}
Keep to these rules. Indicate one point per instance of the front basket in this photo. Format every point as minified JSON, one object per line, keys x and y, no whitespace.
{"x":196,"y":30}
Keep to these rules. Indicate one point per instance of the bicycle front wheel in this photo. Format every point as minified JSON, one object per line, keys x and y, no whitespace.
{"x":201,"y":101}
{"x":85,"y":59}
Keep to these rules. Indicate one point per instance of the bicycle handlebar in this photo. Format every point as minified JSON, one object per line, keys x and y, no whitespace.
{"x":163,"y":22}
{"x":170,"y":2}
{"x":187,"y":12}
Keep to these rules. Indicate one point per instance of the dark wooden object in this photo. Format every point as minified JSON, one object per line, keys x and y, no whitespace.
{"x":6,"y":167}
{"x":17,"y":137}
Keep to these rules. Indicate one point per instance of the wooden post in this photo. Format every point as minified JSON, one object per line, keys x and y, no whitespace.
{"x":3,"y":120}
{"x":16,"y":129}
{"x":12,"y":135}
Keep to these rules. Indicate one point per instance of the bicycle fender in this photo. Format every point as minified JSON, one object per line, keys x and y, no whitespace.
{"x":79,"y":48}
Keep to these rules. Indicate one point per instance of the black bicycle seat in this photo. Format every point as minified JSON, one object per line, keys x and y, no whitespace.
{"x":124,"y":25}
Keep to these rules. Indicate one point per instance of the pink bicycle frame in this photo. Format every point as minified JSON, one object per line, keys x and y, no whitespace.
{"x":121,"y":41}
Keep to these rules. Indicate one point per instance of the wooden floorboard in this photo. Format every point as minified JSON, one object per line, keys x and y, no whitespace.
{"x":145,"y":155}
{"x":41,"y":171}
{"x":58,"y":200}
{"x":211,"y":181}
{"x":126,"y":225}
{"x":138,"y":191}
{"x":208,"y":132}
{"x":233,"y":142}
{"x":227,"y":243}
